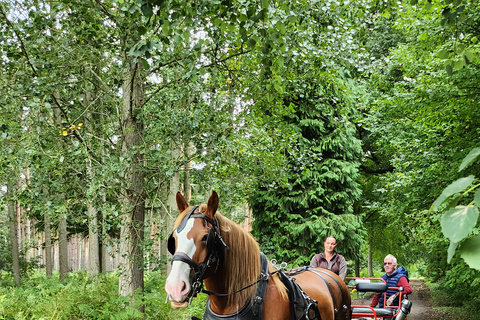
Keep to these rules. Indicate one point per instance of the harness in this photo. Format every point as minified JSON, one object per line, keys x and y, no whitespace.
{"x":252,"y":310}
{"x":302,"y":306}
{"x":321,"y":273}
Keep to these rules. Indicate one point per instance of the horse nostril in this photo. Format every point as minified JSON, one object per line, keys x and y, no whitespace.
{"x":184,"y":287}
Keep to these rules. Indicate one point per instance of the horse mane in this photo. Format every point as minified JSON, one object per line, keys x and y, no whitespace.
{"x":242,"y":261}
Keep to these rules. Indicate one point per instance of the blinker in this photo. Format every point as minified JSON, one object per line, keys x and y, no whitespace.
{"x":211,"y":237}
{"x":181,"y":226}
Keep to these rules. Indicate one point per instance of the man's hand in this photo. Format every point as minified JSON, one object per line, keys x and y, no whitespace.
{"x":390,"y":300}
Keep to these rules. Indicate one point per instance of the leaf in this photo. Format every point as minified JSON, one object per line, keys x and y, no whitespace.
{"x":472,"y":155}
{"x":443,"y":54}
{"x":451,"y":250}
{"x":476,"y":198}
{"x":470,"y":252}
{"x":449,"y":69}
{"x":459,"y":222}
{"x":459,"y":64}
{"x":145,"y":64}
{"x":423,"y":36}
{"x":141,"y":30}
{"x":455,"y":187}
{"x":251,"y":42}
{"x":147,"y":10}
{"x":453,"y":202}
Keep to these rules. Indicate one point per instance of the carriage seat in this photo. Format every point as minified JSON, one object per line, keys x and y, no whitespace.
{"x":380,"y":312}
{"x":371,"y":287}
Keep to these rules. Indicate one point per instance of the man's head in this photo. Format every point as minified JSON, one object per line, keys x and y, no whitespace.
{"x":390,"y":264}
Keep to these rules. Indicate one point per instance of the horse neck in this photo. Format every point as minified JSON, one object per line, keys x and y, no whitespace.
{"x":239,"y":267}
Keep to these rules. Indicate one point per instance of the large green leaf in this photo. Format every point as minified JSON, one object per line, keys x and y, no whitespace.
{"x":457,"y":223}
{"x":476,"y":198}
{"x":470,"y":252}
{"x":469,"y":158}
{"x":451,"y":250}
{"x":443,"y":54}
{"x":455,"y":187}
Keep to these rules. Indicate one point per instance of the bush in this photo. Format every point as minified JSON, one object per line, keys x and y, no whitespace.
{"x":85,"y":297}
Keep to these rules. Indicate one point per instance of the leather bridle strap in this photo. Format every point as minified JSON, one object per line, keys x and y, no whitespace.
{"x":180,"y":256}
{"x":263,"y":278}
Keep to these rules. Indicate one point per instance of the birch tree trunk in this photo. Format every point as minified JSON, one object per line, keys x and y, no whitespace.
{"x":62,"y":218}
{"x":133,"y":201}
{"x":93,"y":238}
{"x":172,"y":202}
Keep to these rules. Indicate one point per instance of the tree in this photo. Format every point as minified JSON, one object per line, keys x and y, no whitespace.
{"x":318,"y":198}
{"x":420,"y":115}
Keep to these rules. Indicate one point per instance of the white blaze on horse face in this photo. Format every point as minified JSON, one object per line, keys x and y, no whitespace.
{"x":178,"y":282}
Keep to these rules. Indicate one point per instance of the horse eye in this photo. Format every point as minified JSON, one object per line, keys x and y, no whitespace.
{"x":204,"y":239}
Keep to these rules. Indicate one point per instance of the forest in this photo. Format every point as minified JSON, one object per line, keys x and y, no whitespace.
{"x":353,"y":118}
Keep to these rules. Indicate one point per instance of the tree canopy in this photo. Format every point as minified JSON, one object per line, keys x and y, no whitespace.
{"x":336,"y":117}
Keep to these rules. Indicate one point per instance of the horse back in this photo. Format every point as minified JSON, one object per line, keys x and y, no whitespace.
{"x":328,"y":289}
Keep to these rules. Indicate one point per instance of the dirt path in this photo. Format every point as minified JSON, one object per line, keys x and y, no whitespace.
{"x":421,"y":306}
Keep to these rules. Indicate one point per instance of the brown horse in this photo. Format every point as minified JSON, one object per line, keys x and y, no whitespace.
{"x":212,"y":249}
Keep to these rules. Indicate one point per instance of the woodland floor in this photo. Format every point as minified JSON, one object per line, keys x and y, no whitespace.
{"x":421,"y":303}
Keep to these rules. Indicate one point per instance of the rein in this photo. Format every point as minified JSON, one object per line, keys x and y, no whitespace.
{"x":263,"y":278}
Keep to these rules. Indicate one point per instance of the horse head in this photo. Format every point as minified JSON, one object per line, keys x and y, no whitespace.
{"x":194,"y":244}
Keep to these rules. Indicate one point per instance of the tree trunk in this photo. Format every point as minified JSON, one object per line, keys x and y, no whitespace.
{"x":62,"y":218}
{"x":133,"y":201}
{"x":48,"y":245}
{"x":62,"y":246}
{"x":187,"y":189}
{"x":165,"y":232}
{"x":104,"y":248}
{"x":12,"y":224}
{"x":172,"y":202}
{"x":370,"y":265}
{"x":93,"y":238}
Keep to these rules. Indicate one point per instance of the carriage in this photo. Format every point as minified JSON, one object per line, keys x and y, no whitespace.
{"x":362,"y":285}
{"x":213,"y":255}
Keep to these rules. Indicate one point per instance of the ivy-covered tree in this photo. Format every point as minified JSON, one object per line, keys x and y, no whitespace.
{"x":293,"y":219}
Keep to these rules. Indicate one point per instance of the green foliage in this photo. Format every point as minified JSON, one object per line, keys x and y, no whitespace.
{"x":318,"y":199}
{"x":422,"y":117}
{"x":459,"y":221}
{"x":84,"y":297}
{"x":455,"y":301}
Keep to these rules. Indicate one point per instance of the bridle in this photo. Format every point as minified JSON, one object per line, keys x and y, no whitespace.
{"x":214,"y":243}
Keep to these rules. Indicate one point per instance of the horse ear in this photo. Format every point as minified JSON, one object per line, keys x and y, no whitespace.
{"x":212,"y":205}
{"x":182,"y":204}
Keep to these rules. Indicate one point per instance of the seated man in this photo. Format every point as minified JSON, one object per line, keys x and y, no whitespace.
{"x":394,"y":278}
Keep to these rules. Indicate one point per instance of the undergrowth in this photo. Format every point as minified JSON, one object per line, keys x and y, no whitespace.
{"x":85,"y":297}
{"x":454,"y":303}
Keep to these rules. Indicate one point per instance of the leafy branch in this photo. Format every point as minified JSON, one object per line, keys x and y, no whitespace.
{"x":459,"y":221}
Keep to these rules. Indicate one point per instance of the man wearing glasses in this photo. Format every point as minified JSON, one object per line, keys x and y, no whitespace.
{"x":395,"y":277}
